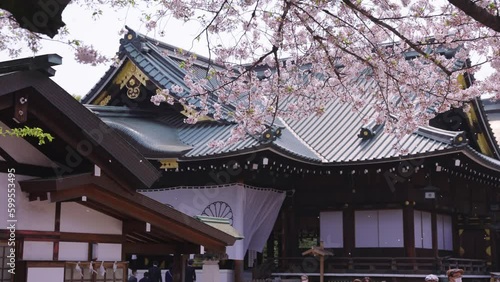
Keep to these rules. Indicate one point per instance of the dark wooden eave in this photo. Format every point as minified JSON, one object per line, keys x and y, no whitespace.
{"x":103,"y":191}
{"x":78,"y":127}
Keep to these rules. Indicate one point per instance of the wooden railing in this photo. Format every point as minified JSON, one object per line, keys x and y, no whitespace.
{"x":402,"y":265}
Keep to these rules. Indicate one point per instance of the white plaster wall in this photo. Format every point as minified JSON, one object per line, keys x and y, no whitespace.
{"x":73,"y":251}
{"x":22,"y":151}
{"x":81,"y":219}
{"x":108,"y":252}
{"x":35,"y":215}
{"x":45,"y":274}
{"x":33,"y":250}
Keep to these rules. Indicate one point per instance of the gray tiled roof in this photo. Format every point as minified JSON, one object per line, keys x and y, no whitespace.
{"x":334,"y":135}
{"x":160,"y":63}
{"x":331,"y":138}
{"x":165,"y":135}
{"x":492,"y":110}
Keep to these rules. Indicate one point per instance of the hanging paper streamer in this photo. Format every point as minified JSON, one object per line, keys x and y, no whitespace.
{"x":78,"y":269}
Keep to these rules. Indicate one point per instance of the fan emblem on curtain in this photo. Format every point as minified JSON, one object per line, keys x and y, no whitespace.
{"x":219,"y":209}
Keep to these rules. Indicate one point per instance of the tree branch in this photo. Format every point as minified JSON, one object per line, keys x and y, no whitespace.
{"x":477,"y":13}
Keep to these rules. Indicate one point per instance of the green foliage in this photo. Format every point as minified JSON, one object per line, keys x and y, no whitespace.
{"x":27,"y":131}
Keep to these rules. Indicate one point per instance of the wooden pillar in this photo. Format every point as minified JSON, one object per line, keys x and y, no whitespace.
{"x":435,"y":249}
{"x":238,"y":270}
{"x":291,"y":233}
{"x":178,"y":268}
{"x":57,"y":228}
{"x":348,"y":230}
{"x":270,"y":246}
{"x":321,"y":268}
{"x":456,"y":235}
{"x":283,"y":239}
{"x":409,"y":229}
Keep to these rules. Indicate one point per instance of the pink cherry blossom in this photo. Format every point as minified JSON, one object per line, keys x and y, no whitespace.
{"x":290,"y":59}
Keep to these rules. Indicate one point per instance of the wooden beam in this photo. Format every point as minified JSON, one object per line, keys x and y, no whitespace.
{"x":27,"y":169}
{"x":134,"y":226}
{"x":160,"y":249}
{"x":52,"y":236}
{"x":93,"y":238}
{"x":165,"y":224}
{"x":21,"y":106}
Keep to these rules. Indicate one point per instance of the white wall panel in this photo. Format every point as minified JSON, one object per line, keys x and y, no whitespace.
{"x":35,"y":215}
{"x":390,"y":226}
{"x":108,"y":252}
{"x":366,"y":229}
{"x":35,"y":250}
{"x":73,"y":251}
{"x":45,"y":274}
{"x":440,"y":231}
{"x":427,"y":230}
{"x":331,"y":229}
{"x":417,"y":221}
{"x":81,"y":219}
{"x":423,"y":230}
{"x":444,"y":232}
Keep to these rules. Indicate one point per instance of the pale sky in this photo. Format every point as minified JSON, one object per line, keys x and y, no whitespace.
{"x":78,"y":79}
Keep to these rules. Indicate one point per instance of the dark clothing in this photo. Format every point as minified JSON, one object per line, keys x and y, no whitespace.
{"x":190,"y":274}
{"x":155,"y":274}
{"x":132,"y":279}
{"x":145,"y":279}
{"x":168,"y":276}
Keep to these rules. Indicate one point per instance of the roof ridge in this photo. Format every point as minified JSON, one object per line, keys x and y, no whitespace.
{"x":455,"y":138}
{"x":155,"y":42}
{"x":321,"y":157}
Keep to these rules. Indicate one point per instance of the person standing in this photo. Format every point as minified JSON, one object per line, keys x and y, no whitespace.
{"x":133,"y":276}
{"x":155,"y":273}
{"x":145,"y":278}
{"x":190,"y":272}
{"x":455,"y":274}
{"x":431,"y":278}
{"x":168,"y":274}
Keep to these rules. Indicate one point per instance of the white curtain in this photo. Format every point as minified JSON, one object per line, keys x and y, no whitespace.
{"x":251,"y":210}
{"x":331,"y":229}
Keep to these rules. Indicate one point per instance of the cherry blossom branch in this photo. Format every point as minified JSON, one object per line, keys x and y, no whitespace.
{"x":478,"y":13}
{"x":395,"y":32}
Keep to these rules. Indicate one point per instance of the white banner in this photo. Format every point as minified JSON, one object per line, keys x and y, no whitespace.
{"x":251,"y":210}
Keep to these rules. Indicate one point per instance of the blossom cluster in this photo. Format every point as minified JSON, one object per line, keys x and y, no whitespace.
{"x":399,"y":61}
{"x":396,"y":62}
{"x":86,"y":54}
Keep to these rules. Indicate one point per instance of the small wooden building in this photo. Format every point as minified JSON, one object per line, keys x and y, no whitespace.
{"x":383,"y":212}
{"x":69,"y":208}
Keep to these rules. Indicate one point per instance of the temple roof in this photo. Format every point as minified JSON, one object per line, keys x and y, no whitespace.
{"x":492,"y":111}
{"x":339,"y":136}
